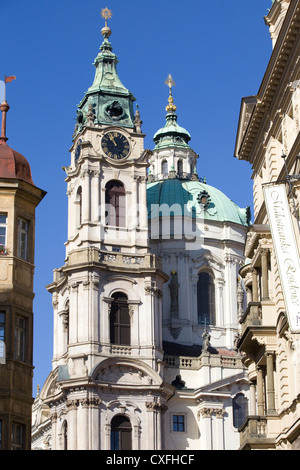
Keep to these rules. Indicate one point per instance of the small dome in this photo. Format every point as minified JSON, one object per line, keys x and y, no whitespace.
{"x":187,"y":194}
{"x":13,"y":164}
{"x":171,"y":134}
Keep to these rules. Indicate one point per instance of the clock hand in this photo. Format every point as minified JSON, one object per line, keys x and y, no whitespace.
{"x":112,"y":139}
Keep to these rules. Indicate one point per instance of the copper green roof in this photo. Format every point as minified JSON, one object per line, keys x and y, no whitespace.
{"x":185,"y":194}
{"x":171,"y":135}
{"x":107,"y":100}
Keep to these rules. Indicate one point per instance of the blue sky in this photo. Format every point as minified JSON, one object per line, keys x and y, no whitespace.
{"x":216,"y":51}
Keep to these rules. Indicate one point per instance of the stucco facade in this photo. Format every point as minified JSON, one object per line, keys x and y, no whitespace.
{"x":268,"y":138}
{"x":172,"y":376}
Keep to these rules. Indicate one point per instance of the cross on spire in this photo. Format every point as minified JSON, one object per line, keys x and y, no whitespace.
{"x":170,"y":83}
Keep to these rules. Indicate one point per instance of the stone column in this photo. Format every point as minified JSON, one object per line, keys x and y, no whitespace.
{"x":102,"y":207}
{"x":72,"y":424}
{"x":206,"y":430}
{"x":56,"y":326}
{"x":134,"y":325}
{"x":86,"y":202}
{"x":73,"y":313}
{"x":254,"y":286}
{"x":260,"y":392}
{"x":220,"y":303}
{"x":270,"y":385}
{"x":219,"y":429}
{"x":95,"y":197}
{"x":143,"y":204}
{"x":107,"y":431}
{"x":94,"y":320}
{"x":94,"y":424}
{"x":252,"y":404}
{"x":54,"y":439}
{"x":154,"y":431}
{"x":72,"y":206}
{"x":105,"y":309}
{"x":136,"y":437}
{"x":149,"y":336}
{"x":83,"y":425}
{"x":264,"y":272}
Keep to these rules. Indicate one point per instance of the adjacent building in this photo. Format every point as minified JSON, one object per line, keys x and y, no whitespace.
{"x":146,"y":317}
{"x":268,"y":138}
{"x":19,"y":197}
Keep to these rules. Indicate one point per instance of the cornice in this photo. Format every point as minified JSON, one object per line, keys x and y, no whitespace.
{"x":276,"y":68}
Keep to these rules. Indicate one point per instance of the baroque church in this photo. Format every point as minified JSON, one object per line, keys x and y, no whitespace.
{"x":147,"y":303}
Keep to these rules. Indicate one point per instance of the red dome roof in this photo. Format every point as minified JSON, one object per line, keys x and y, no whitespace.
{"x":13,"y":164}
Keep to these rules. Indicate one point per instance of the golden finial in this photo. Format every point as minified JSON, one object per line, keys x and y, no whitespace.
{"x":106,"y":14}
{"x":170,"y":83}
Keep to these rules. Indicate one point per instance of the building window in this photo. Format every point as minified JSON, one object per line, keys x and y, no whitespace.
{"x":240,"y":410}
{"x":18,"y":436}
{"x":20,"y":338}
{"x":121,"y":433}
{"x":178,"y":423}
{"x":119,"y":320}
{"x":22,"y":239}
{"x":3,"y":227}
{"x":179,"y":167}
{"x":115,"y":204}
{"x":79,"y":206}
{"x":2,"y":337}
{"x":206,"y":299}
{"x":164,"y":167}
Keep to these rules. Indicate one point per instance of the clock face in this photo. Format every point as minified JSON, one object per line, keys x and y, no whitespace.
{"x":115,"y":145}
{"x":77,"y":150}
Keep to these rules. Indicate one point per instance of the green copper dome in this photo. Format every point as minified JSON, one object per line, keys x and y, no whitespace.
{"x":188,"y":195}
{"x":107,"y":101}
{"x":171,"y":135}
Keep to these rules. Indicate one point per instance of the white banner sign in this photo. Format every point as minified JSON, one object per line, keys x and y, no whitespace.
{"x":285,"y":246}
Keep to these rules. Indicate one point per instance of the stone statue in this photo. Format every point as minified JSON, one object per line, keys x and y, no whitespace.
{"x":90,"y":117}
{"x":137,"y":121}
{"x":236,"y":340}
{"x":206,"y":341}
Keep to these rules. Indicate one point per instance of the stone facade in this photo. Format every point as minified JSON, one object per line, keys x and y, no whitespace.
{"x":174,"y":380}
{"x":268,"y":138}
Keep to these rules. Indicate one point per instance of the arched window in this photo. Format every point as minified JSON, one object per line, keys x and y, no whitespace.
{"x":240,"y":410}
{"x":164,"y":167}
{"x":121,"y":433}
{"x":115,"y":203}
{"x":179,"y":167}
{"x":206,"y":299}
{"x":79,"y":206}
{"x":119,"y":320}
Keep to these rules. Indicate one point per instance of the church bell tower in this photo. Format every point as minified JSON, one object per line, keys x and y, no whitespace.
{"x":106,"y":390}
